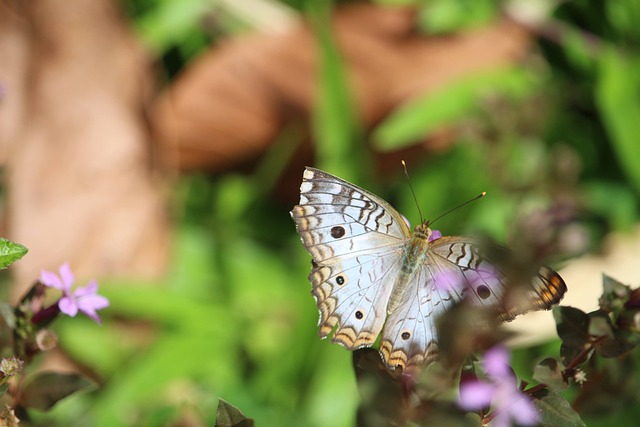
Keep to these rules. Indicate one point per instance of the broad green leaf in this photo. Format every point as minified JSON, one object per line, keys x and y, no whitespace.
{"x":47,"y":388}
{"x":10,"y":252}
{"x":555,"y":411}
{"x":230,"y":416}
{"x":446,"y":105}
{"x":617,"y":99}
{"x":549,"y":372}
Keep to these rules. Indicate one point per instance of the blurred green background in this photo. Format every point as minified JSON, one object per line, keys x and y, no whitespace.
{"x":234,"y":319}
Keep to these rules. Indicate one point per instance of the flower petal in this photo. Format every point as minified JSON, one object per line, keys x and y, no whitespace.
{"x":502,"y":419}
{"x":496,"y":363}
{"x":68,"y":306}
{"x":66,"y":275}
{"x":92,"y":302}
{"x":50,"y":279}
{"x":475,"y":395}
{"x":93,"y":315}
{"x":523,"y":411}
{"x":90,"y":289}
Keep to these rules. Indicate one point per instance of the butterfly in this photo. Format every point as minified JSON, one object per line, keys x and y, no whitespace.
{"x":371,"y":275}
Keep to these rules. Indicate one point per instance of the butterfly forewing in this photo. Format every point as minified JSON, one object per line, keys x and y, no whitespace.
{"x":356,"y":240}
{"x":486,"y":283}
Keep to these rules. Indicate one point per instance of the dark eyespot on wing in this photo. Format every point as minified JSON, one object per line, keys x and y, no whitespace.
{"x":337,"y":232}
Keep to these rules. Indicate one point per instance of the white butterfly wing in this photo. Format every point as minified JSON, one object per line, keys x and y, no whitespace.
{"x":485,"y":280}
{"x":410,"y":337}
{"x":356,"y":241}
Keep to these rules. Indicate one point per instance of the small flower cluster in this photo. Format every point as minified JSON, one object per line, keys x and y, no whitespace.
{"x":500,"y":391}
{"x":84,"y":299}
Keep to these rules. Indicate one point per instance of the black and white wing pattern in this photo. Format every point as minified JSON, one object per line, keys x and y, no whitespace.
{"x":455,"y":269}
{"x":372,"y":276}
{"x":356,"y":241}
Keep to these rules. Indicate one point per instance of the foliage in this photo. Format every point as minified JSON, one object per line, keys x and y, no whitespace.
{"x":23,"y":336}
{"x":552,"y":141}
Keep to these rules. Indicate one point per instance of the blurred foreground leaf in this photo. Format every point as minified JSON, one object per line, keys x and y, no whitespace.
{"x":48,"y":388}
{"x":618,"y":102}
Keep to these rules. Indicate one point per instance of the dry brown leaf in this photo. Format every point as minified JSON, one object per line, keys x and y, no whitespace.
{"x":227,"y":108}
{"x":78,"y":158}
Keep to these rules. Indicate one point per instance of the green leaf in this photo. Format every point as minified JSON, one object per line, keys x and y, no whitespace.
{"x":555,"y":411}
{"x":446,"y":105}
{"x":10,"y":252}
{"x":8,"y":315}
{"x":230,"y":416}
{"x":447,"y":16}
{"x":617,"y":99}
{"x":169,"y":23}
{"x":48,"y":388}
{"x":549,"y":372}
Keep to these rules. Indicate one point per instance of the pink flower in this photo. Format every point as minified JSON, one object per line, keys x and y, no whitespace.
{"x":84,"y":299}
{"x":501,"y":389}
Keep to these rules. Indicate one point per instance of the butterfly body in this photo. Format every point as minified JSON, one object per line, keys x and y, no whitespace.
{"x":372,"y":276}
{"x":414,"y":254}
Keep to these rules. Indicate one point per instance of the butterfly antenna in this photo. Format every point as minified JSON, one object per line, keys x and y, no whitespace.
{"x":484,"y":193}
{"x":413,"y":193}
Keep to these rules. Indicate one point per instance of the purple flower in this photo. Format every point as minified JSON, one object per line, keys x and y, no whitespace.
{"x":84,"y":299}
{"x":501,"y":389}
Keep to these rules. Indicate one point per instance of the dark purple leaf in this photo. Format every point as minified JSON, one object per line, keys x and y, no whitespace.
{"x":549,"y":372}
{"x":572,"y":325}
{"x":555,"y":411}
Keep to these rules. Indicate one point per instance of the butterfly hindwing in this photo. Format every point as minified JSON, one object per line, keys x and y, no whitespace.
{"x":352,"y":297}
{"x":409,"y":338}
